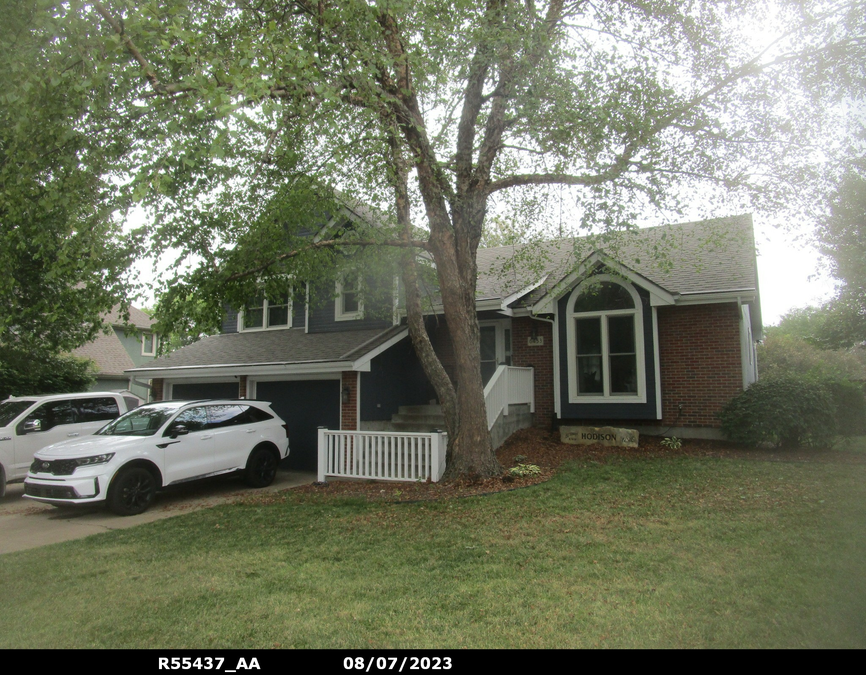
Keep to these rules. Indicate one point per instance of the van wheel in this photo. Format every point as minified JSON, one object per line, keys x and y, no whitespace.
{"x":132,"y":491}
{"x":2,"y":482}
{"x":261,"y":468}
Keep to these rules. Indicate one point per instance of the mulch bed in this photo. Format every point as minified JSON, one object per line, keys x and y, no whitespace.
{"x":543,"y":448}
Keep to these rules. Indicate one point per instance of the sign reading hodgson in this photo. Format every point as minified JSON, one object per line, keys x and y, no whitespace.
{"x":624,"y":438}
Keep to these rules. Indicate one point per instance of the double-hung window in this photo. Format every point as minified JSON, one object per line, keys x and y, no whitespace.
{"x":349,"y":304}
{"x":605,"y":351}
{"x":263,"y":312}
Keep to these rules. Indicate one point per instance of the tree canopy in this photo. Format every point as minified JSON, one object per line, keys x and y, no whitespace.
{"x":61,"y":249}
{"x":228,"y":116}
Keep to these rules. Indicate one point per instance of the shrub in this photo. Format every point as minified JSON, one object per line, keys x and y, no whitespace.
{"x":522,"y":470}
{"x":785,"y":411}
{"x":850,"y":402}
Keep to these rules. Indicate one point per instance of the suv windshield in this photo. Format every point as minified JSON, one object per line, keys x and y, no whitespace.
{"x":9,"y":410}
{"x":144,"y":421}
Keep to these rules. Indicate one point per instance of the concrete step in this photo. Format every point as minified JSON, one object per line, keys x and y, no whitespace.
{"x":416,"y":426}
{"x":420,"y":410}
{"x":418,"y":419}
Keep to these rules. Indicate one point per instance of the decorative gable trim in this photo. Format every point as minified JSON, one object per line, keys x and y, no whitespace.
{"x":547,"y":304}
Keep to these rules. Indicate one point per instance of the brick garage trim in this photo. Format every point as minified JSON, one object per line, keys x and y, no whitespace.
{"x":349,"y":411}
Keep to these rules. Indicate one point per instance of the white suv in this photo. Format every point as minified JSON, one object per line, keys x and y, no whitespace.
{"x":157,"y":445}
{"x":29,"y":423}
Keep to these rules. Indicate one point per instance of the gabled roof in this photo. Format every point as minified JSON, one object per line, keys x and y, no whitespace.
{"x":684,"y":260}
{"x":288,"y":350}
{"x":107,"y":351}
{"x":137,"y":318}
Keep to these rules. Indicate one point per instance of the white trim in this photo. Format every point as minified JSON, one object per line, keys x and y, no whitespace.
{"x":265,"y":323}
{"x":358,"y":401}
{"x":307,"y":310}
{"x":547,"y":303}
{"x":557,"y":355}
{"x":747,"y":296}
{"x":339,"y":313}
{"x":154,"y":338}
{"x":657,"y":363}
{"x":369,"y":356}
{"x":519,"y":294}
{"x":640,"y":344}
{"x":500,"y":325}
{"x":250,"y":369}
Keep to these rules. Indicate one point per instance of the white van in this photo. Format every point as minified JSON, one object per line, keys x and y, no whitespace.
{"x":30,"y":423}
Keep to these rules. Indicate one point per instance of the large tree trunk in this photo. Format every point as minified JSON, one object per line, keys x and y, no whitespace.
{"x":470,"y":451}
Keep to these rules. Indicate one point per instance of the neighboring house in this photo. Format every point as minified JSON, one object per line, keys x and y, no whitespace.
{"x":653,"y":330}
{"x":121,"y":350}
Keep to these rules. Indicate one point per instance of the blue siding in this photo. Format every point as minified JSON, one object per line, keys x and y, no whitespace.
{"x":230,"y":321}
{"x":613,"y":410}
{"x":396,"y":378}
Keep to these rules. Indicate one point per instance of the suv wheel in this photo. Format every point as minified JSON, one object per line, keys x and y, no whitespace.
{"x":132,"y":491}
{"x":261,"y":468}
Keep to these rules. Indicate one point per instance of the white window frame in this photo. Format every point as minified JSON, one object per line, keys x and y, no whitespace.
{"x":144,"y":352}
{"x":265,"y":326}
{"x":340,"y":314}
{"x":640,"y":345}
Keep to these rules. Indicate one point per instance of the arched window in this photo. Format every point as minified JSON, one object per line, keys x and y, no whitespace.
{"x":605,"y":351}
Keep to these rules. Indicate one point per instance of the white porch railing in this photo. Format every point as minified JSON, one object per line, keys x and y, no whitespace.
{"x":508,"y":386}
{"x":382,"y":455}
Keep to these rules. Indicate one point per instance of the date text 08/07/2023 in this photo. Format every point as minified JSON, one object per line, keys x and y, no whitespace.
{"x":365,"y":664}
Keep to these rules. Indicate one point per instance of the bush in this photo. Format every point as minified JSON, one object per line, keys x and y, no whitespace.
{"x":850,"y":402}
{"x":785,"y":411}
{"x":24,"y":373}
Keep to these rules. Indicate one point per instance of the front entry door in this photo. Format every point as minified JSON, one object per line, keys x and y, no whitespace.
{"x":495,"y":347}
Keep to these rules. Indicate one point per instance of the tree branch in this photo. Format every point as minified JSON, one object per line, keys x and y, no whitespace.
{"x":327,"y":243}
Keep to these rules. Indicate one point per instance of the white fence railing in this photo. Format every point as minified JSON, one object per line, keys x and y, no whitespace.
{"x":405,"y":456}
{"x":382,"y":455}
{"x":508,"y":386}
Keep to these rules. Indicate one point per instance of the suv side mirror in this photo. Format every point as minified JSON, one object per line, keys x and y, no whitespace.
{"x":177,"y":430}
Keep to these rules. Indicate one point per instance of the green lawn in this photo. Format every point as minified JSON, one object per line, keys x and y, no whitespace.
{"x":632,"y":553}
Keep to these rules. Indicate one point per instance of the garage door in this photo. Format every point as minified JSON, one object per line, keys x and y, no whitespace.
{"x":305,"y":406}
{"x":191,"y":392}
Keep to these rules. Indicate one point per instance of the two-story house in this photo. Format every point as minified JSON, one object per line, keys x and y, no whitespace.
{"x":654,"y":329}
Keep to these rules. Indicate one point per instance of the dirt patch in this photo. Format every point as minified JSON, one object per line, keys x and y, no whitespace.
{"x":543,"y":449}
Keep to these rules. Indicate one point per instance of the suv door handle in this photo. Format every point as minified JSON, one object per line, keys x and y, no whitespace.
{"x":251,"y":431}
{"x":207,"y":438}
{"x":73,"y":433}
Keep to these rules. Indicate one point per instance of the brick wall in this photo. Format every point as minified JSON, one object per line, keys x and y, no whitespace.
{"x":242,"y":386}
{"x":539,"y":357}
{"x":699,"y":351}
{"x":156,"y":390}
{"x":349,"y":411}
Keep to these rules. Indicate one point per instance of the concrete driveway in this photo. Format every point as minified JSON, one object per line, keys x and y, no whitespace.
{"x":27,"y":524}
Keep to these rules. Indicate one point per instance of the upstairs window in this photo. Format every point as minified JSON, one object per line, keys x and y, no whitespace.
{"x":349,"y":304}
{"x":605,"y":350}
{"x":148,"y":344}
{"x":262,"y":312}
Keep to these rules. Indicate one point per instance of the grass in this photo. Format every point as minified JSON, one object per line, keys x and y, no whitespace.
{"x":631,"y":553}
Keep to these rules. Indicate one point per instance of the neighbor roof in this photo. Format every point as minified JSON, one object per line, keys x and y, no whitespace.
{"x":137,"y":318}
{"x":107,"y":351}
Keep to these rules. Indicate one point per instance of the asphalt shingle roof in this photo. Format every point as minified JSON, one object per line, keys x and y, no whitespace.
{"x":700,"y":257}
{"x":108,"y":353}
{"x":289,"y":346}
